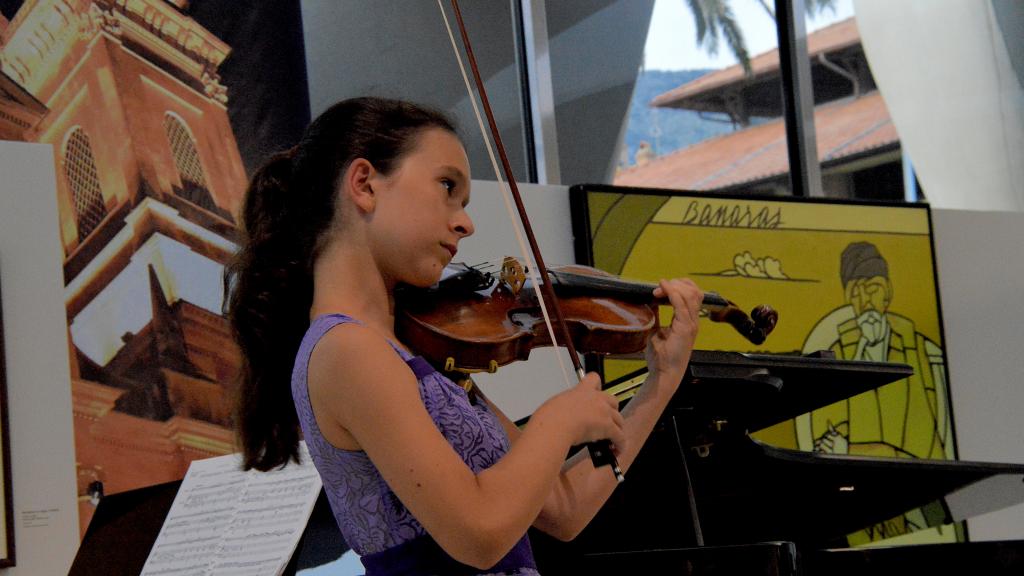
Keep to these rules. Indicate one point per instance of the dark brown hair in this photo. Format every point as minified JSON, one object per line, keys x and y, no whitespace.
{"x":289,"y":205}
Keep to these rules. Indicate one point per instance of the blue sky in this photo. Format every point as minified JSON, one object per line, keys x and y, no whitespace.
{"x":672,"y":39}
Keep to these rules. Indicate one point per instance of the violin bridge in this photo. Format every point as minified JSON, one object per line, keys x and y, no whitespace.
{"x":512,"y":274}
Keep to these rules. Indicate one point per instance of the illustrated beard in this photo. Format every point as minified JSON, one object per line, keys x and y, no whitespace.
{"x":872,"y":326}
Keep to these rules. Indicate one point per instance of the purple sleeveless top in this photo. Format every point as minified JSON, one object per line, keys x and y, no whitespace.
{"x":374,"y":522}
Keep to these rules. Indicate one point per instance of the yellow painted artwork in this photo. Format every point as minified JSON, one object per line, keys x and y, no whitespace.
{"x":855,"y":279}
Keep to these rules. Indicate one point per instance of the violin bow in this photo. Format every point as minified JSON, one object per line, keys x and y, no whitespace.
{"x":600,"y":451}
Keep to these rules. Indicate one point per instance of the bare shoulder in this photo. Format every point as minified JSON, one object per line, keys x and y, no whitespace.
{"x":349,"y":346}
{"x":352,"y":370}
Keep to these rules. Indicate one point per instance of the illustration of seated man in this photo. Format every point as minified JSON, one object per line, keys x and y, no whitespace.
{"x":906,"y":418}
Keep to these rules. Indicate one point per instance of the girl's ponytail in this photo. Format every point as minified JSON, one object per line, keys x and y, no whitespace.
{"x":268,"y":305}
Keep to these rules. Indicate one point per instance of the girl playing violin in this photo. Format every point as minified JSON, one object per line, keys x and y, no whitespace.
{"x":421,"y":479}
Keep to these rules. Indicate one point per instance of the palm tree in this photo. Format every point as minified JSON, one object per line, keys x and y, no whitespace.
{"x":715,"y":19}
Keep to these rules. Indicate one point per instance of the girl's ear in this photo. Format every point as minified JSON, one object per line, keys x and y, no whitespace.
{"x":357,"y":184}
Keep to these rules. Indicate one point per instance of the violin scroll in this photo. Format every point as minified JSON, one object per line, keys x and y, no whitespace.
{"x":755,"y":328}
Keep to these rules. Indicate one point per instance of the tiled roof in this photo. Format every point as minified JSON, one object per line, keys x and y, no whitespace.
{"x":831,"y":38}
{"x":844,"y":128}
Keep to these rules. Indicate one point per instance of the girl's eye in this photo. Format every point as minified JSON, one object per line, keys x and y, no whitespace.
{"x":449,"y":185}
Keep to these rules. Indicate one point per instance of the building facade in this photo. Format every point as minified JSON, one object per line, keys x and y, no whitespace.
{"x":148,"y":179}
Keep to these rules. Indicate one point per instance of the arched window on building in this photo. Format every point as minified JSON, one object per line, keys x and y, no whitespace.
{"x":186,"y":158}
{"x":84,"y":182}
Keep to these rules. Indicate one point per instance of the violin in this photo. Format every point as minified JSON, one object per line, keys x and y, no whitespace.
{"x":472,"y":321}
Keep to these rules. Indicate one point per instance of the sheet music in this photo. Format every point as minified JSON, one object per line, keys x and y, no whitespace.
{"x":226,"y":521}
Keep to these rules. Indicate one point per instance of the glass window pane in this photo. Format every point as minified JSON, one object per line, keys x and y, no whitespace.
{"x":858,"y":147}
{"x":84,"y":181}
{"x":696,"y":118}
{"x":399,"y":49}
{"x":596,"y":48}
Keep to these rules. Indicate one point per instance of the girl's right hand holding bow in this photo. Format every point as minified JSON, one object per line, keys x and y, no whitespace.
{"x":585,"y":413}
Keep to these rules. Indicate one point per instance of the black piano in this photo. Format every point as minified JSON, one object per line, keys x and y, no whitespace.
{"x":703,"y":497}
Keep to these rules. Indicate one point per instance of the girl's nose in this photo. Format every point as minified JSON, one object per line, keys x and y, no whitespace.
{"x":464,"y":225}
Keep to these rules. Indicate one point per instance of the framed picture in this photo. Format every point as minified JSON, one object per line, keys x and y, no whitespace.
{"x":857,"y":279}
{"x":7,"y":525}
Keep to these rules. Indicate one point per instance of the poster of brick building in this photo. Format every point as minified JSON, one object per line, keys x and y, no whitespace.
{"x":156,"y":110}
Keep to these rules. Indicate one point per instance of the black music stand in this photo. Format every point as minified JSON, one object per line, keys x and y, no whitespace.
{"x":125,"y":526}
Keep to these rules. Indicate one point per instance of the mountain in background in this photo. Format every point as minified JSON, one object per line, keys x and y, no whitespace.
{"x":665,"y":129}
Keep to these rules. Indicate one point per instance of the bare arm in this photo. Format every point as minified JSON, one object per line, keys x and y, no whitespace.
{"x":362,"y":391}
{"x":581,"y":489}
